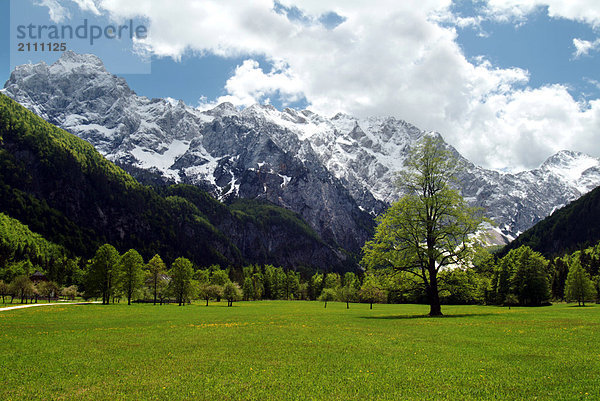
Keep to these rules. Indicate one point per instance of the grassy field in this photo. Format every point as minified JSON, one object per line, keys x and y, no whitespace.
{"x":299,"y":351}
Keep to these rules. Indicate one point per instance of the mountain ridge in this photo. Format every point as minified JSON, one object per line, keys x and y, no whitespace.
{"x":337,"y":173}
{"x":62,"y":188}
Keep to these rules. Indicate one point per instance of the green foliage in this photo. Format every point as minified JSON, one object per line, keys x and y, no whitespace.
{"x":232,"y":292}
{"x":209,"y":291}
{"x":101,"y":274}
{"x":181,"y":280}
{"x":219,"y":277}
{"x":69,"y":292}
{"x":266,"y":215}
{"x":332,"y":280}
{"x":328,"y":295}
{"x":22,"y":287}
{"x":371,"y":291}
{"x":315,"y":286}
{"x":522,"y":273}
{"x":48,"y":289}
{"x":578,"y":286}
{"x":5,"y":290}
{"x":459,"y":287}
{"x":130,"y":275}
{"x":21,"y":249}
{"x":347,"y":293}
{"x":156,"y":277}
{"x":248,"y":289}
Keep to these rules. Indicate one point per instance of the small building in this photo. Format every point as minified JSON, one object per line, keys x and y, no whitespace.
{"x":38,"y":277}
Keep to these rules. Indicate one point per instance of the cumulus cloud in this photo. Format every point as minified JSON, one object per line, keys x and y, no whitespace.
{"x":584,"y":47}
{"x":384,"y":57}
{"x":587,"y":11}
{"x":250,"y":84}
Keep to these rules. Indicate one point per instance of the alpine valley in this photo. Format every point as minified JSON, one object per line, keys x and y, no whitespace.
{"x":336,"y":173}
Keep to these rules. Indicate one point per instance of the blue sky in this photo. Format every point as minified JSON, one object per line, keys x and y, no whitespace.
{"x":491,"y":76}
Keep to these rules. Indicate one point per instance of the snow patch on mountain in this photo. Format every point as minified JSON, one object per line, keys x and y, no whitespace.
{"x":162,"y":161}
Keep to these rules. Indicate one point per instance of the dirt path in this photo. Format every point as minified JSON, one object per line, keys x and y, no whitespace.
{"x":57,"y":303}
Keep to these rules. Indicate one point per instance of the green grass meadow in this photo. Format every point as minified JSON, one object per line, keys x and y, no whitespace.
{"x":299,"y":351}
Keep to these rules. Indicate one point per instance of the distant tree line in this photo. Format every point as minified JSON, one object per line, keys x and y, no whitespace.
{"x":112,"y":277}
{"x":521,"y":277}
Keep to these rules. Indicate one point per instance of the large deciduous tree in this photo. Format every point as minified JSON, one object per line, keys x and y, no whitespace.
{"x":578,"y":286}
{"x":431,"y":227}
{"x":48,"y":289}
{"x":232,"y":292}
{"x":156,"y":270}
{"x":131,"y":273}
{"x":101,"y":273}
{"x":371,"y":290}
{"x":210,"y":291}
{"x":181,"y":274}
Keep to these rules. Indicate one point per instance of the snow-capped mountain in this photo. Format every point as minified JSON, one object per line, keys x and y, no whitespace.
{"x":335,"y":172}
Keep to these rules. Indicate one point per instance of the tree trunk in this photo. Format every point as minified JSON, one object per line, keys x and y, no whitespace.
{"x":371,"y":305}
{"x":155,"y":289}
{"x":325,"y":304}
{"x":347,"y":305}
{"x":435,"y":308}
{"x":206,"y":301}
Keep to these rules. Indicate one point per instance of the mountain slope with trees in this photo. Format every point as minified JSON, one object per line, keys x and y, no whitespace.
{"x":568,"y":229}
{"x":62,"y":188}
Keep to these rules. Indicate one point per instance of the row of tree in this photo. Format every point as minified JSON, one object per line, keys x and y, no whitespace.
{"x":522,"y":277}
{"x":23,"y":288}
{"x":112,"y":276}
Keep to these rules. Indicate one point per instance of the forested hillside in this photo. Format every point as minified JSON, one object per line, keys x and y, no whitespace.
{"x":568,"y":229}
{"x":62,"y":188}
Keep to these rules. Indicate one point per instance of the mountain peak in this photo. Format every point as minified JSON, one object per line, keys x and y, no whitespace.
{"x":70,"y":61}
{"x":71,"y":56}
{"x":567,"y":158}
{"x":222,"y":110}
{"x":570,"y":167}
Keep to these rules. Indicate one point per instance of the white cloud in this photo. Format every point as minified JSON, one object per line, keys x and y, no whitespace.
{"x":587,"y":11}
{"x":584,"y":47}
{"x":57,"y":12}
{"x":250,"y":85}
{"x":398,"y":62}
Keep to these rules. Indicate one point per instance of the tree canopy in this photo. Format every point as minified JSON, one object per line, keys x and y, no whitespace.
{"x":578,"y":286}
{"x":181,"y":279}
{"x":131,"y":274}
{"x":101,"y":272}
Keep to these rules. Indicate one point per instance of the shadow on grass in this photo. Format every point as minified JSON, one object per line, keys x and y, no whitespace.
{"x":590,"y":305}
{"x":405,"y":317}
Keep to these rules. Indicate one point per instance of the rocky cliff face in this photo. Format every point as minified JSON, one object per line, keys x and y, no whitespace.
{"x":337,"y":173}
